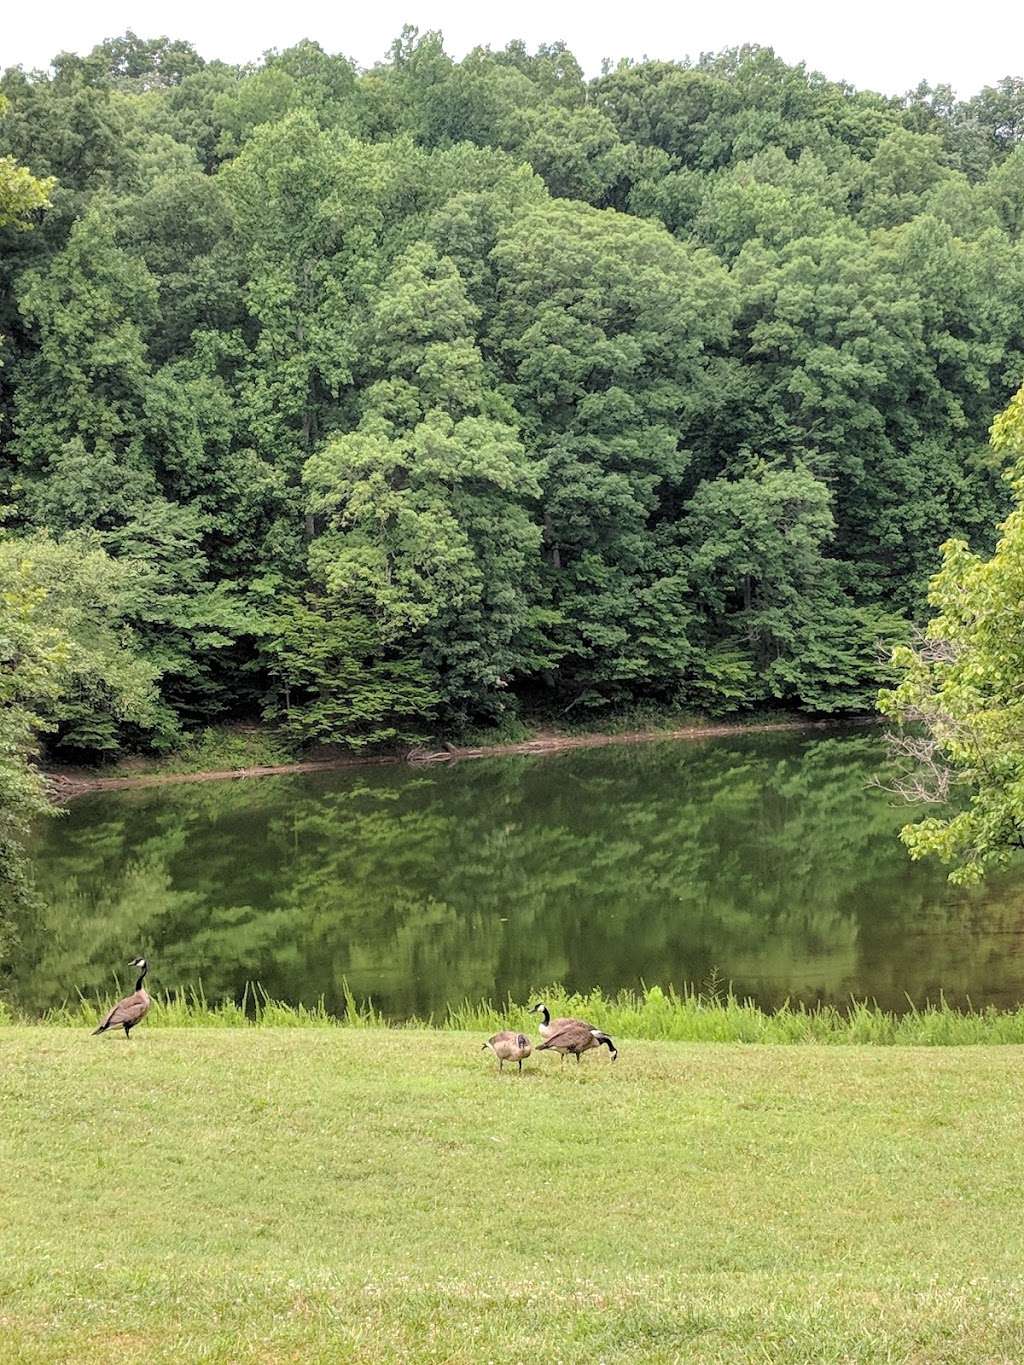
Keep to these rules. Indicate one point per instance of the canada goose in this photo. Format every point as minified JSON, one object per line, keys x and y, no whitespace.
{"x":509,"y":1047}
{"x":575,"y":1038}
{"x":547,"y":1025}
{"x":129,"y":1011}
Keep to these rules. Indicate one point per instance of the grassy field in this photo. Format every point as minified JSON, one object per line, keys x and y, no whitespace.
{"x":330,"y":1195}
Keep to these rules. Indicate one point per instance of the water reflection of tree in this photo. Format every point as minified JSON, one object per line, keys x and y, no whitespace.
{"x":765,"y":858}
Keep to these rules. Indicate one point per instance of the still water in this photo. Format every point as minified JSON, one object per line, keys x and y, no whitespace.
{"x":761,"y":860}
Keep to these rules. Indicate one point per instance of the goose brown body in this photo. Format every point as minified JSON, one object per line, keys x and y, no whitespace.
{"x":509,"y":1046}
{"x":575,"y":1038}
{"x":133,"y":1008}
{"x":548,"y":1026}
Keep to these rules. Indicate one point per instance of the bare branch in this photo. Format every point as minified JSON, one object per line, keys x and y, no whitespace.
{"x":932,"y":650}
{"x":923,"y":777}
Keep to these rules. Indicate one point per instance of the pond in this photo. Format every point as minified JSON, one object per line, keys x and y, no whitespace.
{"x":764,"y":860}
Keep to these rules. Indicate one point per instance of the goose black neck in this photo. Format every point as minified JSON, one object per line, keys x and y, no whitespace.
{"x":138,"y":984}
{"x":545,"y":1015}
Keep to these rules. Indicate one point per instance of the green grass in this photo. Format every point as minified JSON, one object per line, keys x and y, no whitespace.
{"x":252,"y":1196}
{"x":687,"y":1016}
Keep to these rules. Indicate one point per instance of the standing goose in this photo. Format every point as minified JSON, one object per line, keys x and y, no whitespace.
{"x":576,"y":1038}
{"x":129,"y":1011}
{"x":547,"y":1025}
{"x":509,"y":1047}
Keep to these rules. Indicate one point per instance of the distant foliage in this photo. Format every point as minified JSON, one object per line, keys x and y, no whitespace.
{"x":400,"y":400}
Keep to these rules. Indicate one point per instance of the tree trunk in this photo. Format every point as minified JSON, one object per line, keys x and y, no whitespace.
{"x":556,"y":556}
{"x":308,"y":437}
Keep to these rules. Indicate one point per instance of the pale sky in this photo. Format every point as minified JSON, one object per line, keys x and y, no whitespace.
{"x":886,"y":45}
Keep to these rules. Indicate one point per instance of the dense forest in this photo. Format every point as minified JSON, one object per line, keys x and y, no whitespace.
{"x":380,"y":403}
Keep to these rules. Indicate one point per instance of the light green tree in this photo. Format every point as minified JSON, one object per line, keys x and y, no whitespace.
{"x":961,"y":695}
{"x":73,"y":665}
{"x":66,"y":658}
{"x":21,"y":193}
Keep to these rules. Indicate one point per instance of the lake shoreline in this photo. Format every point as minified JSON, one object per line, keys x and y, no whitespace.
{"x":66,"y":783}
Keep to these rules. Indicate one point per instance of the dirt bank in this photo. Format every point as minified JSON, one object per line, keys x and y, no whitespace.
{"x":67,"y":783}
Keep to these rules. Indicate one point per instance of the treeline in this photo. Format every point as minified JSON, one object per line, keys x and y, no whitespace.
{"x":381,"y":402}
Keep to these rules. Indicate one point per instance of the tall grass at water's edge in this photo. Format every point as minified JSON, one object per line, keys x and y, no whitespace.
{"x":655,"y":1014}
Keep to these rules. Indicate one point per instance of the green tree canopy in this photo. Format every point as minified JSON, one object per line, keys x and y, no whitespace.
{"x":515,"y":385}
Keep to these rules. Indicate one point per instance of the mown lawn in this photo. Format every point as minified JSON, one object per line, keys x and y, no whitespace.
{"x":316,"y":1195}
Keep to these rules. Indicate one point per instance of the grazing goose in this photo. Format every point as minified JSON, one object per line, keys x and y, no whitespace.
{"x":129,"y":1011}
{"x":509,"y":1047}
{"x":576,"y":1038}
